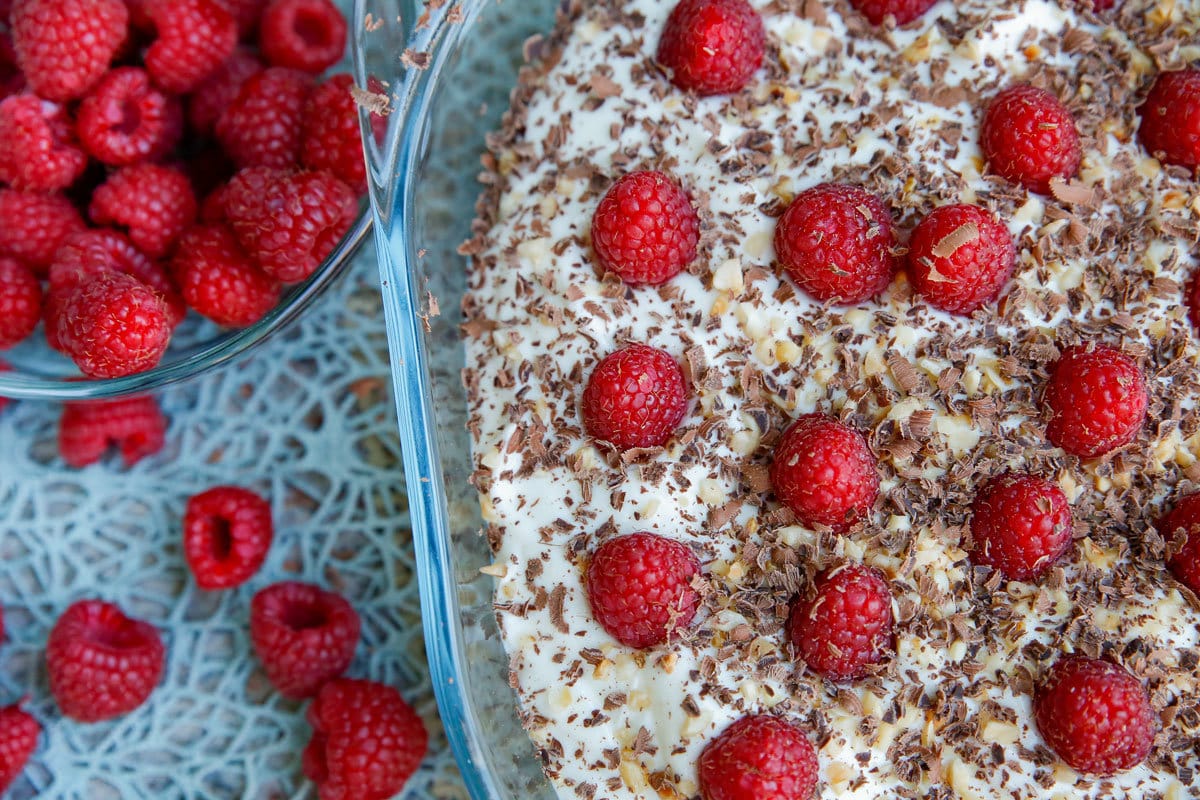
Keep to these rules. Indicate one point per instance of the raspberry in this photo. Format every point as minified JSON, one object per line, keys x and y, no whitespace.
{"x":1170,"y":126}
{"x":903,"y":11}
{"x":303,"y":635}
{"x":219,"y":281}
{"x":34,"y":225}
{"x":194,"y":38}
{"x":1021,"y":525}
{"x":1191,"y":298}
{"x":960,"y":257}
{"x":227,"y":532}
{"x":247,"y":14}
{"x":712,"y":46}
{"x":220,"y":90}
{"x":1095,"y":715}
{"x":330,"y":139}
{"x":645,"y":229}
{"x":102,"y":664}
{"x":126,"y":120}
{"x":12,"y":81}
{"x":758,"y":758}
{"x":64,"y":46}
{"x":1184,"y":520}
{"x":308,"y":35}
{"x":37,"y":145}
{"x":19,"y":733}
{"x":289,"y":222}
{"x":640,"y":588}
{"x":836,"y":242}
{"x":634,"y":398}
{"x":366,"y":743}
{"x":20,"y":302}
{"x":1029,"y":137}
{"x":1096,"y":399}
{"x":845,"y":626}
{"x":824,"y":472}
{"x":135,"y":425}
{"x":113,"y":325}
{"x":154,"y":203}
{"x":262,"y":126}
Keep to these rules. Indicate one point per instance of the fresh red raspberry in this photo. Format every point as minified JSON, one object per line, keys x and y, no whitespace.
{"x":220,"y":90}
{"x":640,"y":587}
{"x":330,"y":139}
{"x":960,"y":257}
{"x":758,"y":758}
{"x":113,"y":325}
{"x":824,"y":472}
{"x":227,"y":533}
{"x":135,"y":425}
{"x":294,"y":224}
{"x":1191,"y":297}
{"x":19,"y":733}
{"x":101,"y":663}
{"x":712,"y":46}
{"x":1029,"y":137}
{"x":1184,"y":519}
{"x":645,"y":228}
{"x":303,"y":635}
{"x":34,"y":225}
{"x":64,"y":46}
{"x":836,"y":242}
{"x":845,"y":626}
{"x":20,"y":302}
{"x":262,"y":126}
{"x":126,"y":119}
{"x":154,"y":203}
{"x":1096,"y":399}
{"x":1021,"y":525}
{"x":1170,"y":126}
{"x":38,"y":151}
{"x":194,"y":38}
{"x":1095,"y":715}
{"x":308,"y":35}
{"x":635,"y":397}
{"x":903,"y":11}
{"x":219,"y":281}
{"x":366,"y":743}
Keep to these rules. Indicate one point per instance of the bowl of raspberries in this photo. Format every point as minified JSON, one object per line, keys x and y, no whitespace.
{"x":179,"y":179}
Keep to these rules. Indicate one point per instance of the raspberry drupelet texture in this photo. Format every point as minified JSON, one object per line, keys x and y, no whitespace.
{"x":38,"y":151}
{"x":126,"y":120}
{"x":155,"y":204}
{"x":101,"y":663}
{"x":219,"y":281}
{"x":308,"y":35}
{"x":64,"y":46}
{"x":1180,"y":528}
{"x":194,"y":38}
{"x":960,"y":257}
{"x":1028,"y":137}
{"x":845,"y":626}
{"x":1170,"y":126}
{"x":824,"y":472}
{"x":903,"y":11}
{"x":635,"y":397}
{"x":1096,"y":400}
{"x":33,"y":225}
{"x":19,"y":733}
{"x":113,"y":325}
{"x":303,"y":635}
{"x":836,"y":242}
{"x":645,"y":229}
{"x":712,"y":46}
{"x":220,"y":90}
{"x":640,"y":588}
{"x":87,"y":429}
{"x":263,"y":125}
{"x":366,"y":741}
{"x":758,"y":758}
{"x":20,"y":302}
{"x":330,"y":138}
{"x":1095,"y":715}
{"x":227,"y":532}
{"x":1020,"y":525}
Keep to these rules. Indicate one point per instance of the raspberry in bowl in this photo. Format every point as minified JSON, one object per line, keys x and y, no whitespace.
{"x":115,"y":173}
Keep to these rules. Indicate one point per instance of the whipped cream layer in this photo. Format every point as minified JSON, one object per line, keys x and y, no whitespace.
{"x":945,"y":401}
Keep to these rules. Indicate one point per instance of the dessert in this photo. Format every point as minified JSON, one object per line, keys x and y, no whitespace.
{"x":938,"y":357}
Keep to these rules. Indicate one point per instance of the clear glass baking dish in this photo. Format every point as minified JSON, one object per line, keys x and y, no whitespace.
{"x":448,"y":68}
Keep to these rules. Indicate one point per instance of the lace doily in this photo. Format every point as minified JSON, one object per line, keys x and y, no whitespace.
{"x":308,"y":421}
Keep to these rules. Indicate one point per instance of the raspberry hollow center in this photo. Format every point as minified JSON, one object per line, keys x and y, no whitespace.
{"x":131,"y":118}
{"x":311,"y":27}
{"x":304,"y":617}
{"x":222,"y":538}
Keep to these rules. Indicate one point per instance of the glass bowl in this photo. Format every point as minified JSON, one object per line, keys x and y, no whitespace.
{"x":197,"y":346}
{"x":446,"y":92}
